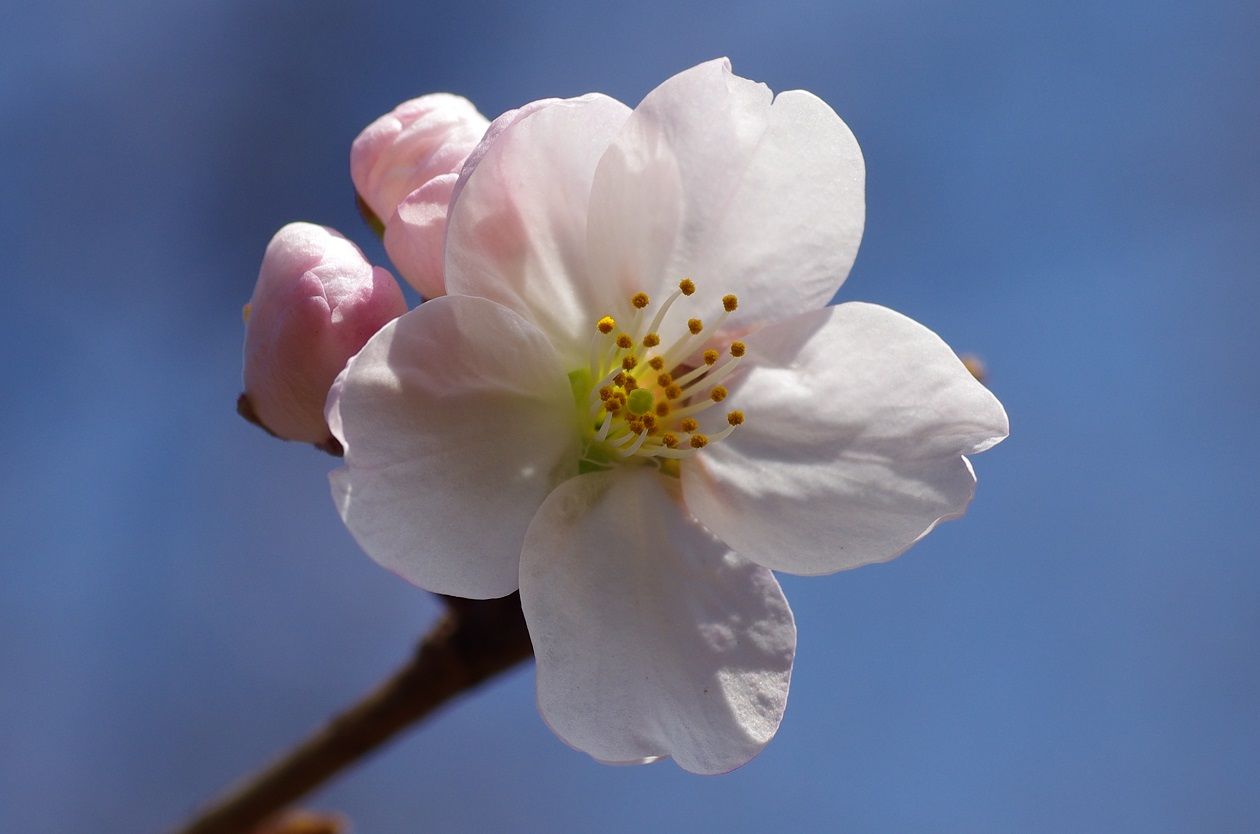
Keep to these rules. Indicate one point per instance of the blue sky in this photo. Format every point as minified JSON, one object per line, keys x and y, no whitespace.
{"x":1070,"y":190}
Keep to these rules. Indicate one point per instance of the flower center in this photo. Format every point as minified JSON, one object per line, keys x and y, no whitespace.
{"x":639,"y":399}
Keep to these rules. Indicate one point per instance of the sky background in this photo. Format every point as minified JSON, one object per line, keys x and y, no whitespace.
{"x":1070,"y":190}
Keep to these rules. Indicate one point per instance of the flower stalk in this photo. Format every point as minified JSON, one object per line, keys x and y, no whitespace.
{"x":474,"y":641}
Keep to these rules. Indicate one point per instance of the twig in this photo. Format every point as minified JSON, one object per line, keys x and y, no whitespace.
{"x":474,"y":641}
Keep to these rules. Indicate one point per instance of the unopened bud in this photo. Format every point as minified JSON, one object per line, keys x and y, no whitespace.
{"x":316,"y":303}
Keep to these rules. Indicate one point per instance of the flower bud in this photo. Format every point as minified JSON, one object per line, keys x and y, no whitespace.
{"x":415,"y":235}
{"x":420,"y":139}
{"x":317,"y":301}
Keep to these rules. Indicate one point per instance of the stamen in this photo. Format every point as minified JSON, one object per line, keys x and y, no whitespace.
{"x":689,"y":425}
{"x":640,"y":300}
{"x":606,"y":325}
{"x":662,"y":409}
{"x":737,"y":349}
{"x":718,"y":394}
{"x":687,"y":286}
{"x":699,"y":441}
{"x":735,"y":418}
{"x":602,"y":433}
{"x":651,"y":340}
{"x":625,"y":342}
{"x":669,"y":440}
{"x":656,"y":363}
{"x":729,"y":303}
{"x":695,"y":326}
{"x":711,"y":356}
{"x":629,"y":362}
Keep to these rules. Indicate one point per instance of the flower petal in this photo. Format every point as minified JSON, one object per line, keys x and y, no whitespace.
{"x":652,"y":637}
{"x":416,"y":233}
{"x":856,"y":421}
{"x":709,"y":179}
{"x":516,"y":231}
{"x":456,"y":421}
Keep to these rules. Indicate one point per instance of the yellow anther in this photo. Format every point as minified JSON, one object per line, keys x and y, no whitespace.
{"x":687,"y":286}
{"x":710,"y":356}
{"x":695,"y":326}
{"x":656,"y":363}
{"x":669,"y":440}
{"x":619,"y":379}
{"x":649,"y":420}
{"x":637,"y":427}
{"x":735,"y":418}
{"x":673,"y":392}
{"x":689,"y":424}
{"x":651,"y":340}
{"x":718,"y":394}
{"x":605,"y":393}
{"x":631,"y":383}
{"x":738,"y":348}
{"x":625,"y":342}
{"x":699,"y":441}
{"x":662,"y":409}
{"x":640,"y":300}
{"x":629,"y":362}
{"x":729,"y":303}
{"x":664,"y":380}
{"x":606,"y":324}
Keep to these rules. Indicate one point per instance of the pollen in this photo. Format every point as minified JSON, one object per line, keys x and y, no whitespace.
{"x":635,"y":415}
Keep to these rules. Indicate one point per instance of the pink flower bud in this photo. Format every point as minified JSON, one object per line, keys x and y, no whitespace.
{"x":415,"y":234}
{"x":420,"y":139}
{"x":317,"y":301}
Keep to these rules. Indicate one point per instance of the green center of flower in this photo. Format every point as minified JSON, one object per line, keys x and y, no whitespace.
{"x":642,"y":400}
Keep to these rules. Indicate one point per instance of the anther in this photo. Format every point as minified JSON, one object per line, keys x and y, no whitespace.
{"x":699,"y":441}
{"x":664,"y":380}
{"x":629,"y":362}
{"x":649,"y":420}
{"x":606,"y":324}
{"x":689,"y":424}
{"x":625,"y":342}
{"x":729,"y":303}
{"x":619,"y":379}
{"x":631,"y":383}
{"x":735,"y":418}
{"x":605,"y":393}
{"x":738,"y":348}
{"x":695,"y":326}
{"x":656,"y":363}
{"x":651,"y":340}
{"x":718,"y":394}
{"x":710,"y":356}
{"x":662,"y":409}
{"x":640,"y":300}
{"x":673,"y":392}
{"x":669,"y":440}
{"x":687,"y":286}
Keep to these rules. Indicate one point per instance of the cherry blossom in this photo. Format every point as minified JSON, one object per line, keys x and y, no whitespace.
{"x":634,"y":403}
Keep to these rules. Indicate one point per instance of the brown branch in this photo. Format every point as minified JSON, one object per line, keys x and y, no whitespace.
{"x":474,"y":641}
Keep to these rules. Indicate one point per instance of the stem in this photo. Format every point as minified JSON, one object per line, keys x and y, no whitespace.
{"x":475,"y":640}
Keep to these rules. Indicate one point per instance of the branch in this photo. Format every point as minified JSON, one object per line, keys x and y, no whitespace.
{"x":474,"y":641}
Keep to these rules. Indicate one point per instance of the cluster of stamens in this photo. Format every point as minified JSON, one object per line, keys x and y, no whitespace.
{"x":645,"y":397}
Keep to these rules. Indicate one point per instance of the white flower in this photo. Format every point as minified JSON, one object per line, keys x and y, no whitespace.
{"x":708,"y":227}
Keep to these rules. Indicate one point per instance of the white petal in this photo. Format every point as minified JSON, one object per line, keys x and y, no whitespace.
{"x":457,"y":421}
{"x":517,"y":228}
{"x":653,"y":638}
{"x":710,"y":180}
{"x":856,"y":421}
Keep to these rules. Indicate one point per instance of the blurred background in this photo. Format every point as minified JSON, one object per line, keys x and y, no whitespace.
{"x":1070,"y":190}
